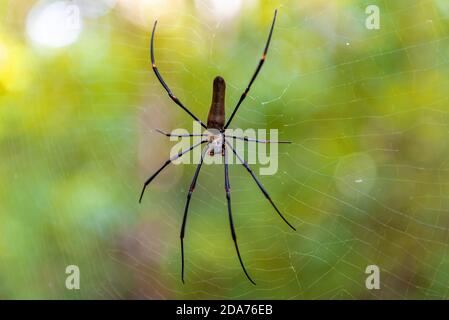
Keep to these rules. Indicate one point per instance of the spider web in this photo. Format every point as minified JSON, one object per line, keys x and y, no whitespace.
{"x":365,"y":181}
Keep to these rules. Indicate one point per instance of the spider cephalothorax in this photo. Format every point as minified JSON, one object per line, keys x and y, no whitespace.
{"x":215,"y":140}
{"x":216,"y":143}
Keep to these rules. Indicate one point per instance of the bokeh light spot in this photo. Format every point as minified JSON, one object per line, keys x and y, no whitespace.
{"x":355,"y":174}
{"x":95,"y":9}
{"x":219,"y":9}
{"x":55,"y":25}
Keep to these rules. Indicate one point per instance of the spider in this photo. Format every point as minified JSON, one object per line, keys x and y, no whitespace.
{"x":216,"y":143}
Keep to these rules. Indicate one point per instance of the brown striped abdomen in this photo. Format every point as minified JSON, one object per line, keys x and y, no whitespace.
{"x":216,"y":118}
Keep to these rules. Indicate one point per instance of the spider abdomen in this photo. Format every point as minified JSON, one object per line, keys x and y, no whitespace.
{"x":216,"y":117}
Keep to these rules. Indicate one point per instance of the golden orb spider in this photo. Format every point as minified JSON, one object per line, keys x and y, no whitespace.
{"x":216,"y":143}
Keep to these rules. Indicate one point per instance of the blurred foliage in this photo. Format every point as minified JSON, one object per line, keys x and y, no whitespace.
{"x":365,"y":181}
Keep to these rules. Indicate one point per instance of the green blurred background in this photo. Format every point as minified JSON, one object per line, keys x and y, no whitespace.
{"x":365,"y":181}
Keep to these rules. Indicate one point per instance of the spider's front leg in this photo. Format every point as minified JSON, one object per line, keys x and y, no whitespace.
{"x":170,"y":160}
{"x":186,"y":209}
{"x":223,"y":150}
{"x":259,"y":184}
{"x":228,"y":199}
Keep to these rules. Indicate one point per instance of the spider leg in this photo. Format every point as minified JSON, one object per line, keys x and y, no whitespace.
{"x":259,"y":184}
{"x":259,"y":66}
{"x":161,"y":80}
{"x":180,"y":135}
{"x":186,"y":210}
{"x":166,"y":164}
{"x":231,"y":223}
{"x":255,"y":140}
